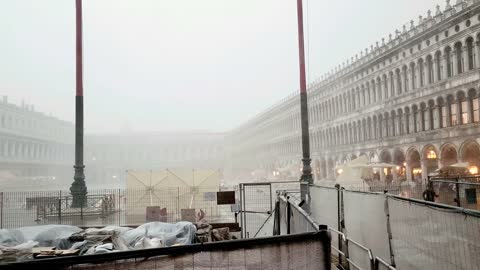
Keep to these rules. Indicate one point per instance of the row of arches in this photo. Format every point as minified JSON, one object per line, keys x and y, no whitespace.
{"x":414,"y":163}
{"x":441,"y":112}
{"x":13,"y":149}
{"x":452,"y":60}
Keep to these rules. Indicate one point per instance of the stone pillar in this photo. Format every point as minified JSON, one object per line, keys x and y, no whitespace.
{"x":398,"y":86}
{"x":423,"y":163}
{"x":469,"y":110}
{"x":378,"y":85}
{"x":445,"y":67}
{"x":436,"y":117}
{"x":419,"y":73}
{"x":466,"y":59}
{"x":394,"y":174}
{"x":454,"y":60}
{"x":435,"y":73}
{"x":408,"y":169}
{"x":382,"y":175}
{"x":421,"y":119}
{"x":477,"y":55}
{"x":406,"y":116}
{"x":388,"y":89}
{"x":413,"y":79}
{"x":459,"y":114}
{"x":449,"y":115}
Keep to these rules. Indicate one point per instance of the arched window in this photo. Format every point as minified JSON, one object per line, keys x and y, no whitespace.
{"x":448,"y":61}
{"x":475,"y":109}
{"x":439,"y":65}
{"x":413,"y":76}
{"x":470,"y":54}
{"x":453,"y":113}
{"x":459,"y":57}
{"x":421,"y":72}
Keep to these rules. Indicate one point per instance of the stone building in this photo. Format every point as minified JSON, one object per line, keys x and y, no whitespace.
{"x":34,"y":144}
{"x":411,"y":99}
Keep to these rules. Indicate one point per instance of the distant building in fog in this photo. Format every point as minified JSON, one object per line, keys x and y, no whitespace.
{"x":36,"y":146}
{"x":107,"y":157}
{"x":411,"y":99}
{"x":33,"y":144}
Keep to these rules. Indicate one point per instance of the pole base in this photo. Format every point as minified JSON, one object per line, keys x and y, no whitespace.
{"x":307,"y":171}
{"x":79,"y":188}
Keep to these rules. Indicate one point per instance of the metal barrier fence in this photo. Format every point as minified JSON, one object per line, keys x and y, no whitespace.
{"x":113,"y":207}
{"x":308,"y":251}
{"x":385,"y":231}
{"x":461,"y":191}
{"x":257,"y":203}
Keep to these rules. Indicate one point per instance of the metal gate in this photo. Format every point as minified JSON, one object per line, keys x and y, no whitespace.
{"x":256,"y":205}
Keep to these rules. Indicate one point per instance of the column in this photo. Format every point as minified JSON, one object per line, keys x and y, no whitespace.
{"x":459,"y":114}
{"x":423,"y":163}
{"x":436,"y":117}
{"x":413,"y":81}
{"x":389,"y":86}
{"x":418,"y":71}
{"x":455,"y":70}
{"x":396,"y":78}
{"x":477,"y":55}
{"x":421,"y":119}
{"x":469,"y":110}
{"x":435,"y":73}
{"x":445,"y":67}
{"x":394,"y":174}
{"x":466,"y":59}
{"x":382,"y":175}
{"x":449,"y":115}
{"x":408,"y":130}
{"x":408,"y":168}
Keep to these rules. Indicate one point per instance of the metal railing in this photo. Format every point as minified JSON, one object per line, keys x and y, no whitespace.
{"x":113,"y":207}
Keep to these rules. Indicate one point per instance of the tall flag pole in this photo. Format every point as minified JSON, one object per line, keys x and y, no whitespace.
{"x":307,"y":169}
{"x":79,"y":188}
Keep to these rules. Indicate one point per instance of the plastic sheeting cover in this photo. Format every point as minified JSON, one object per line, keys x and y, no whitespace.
{"x":430,"y":238}
{"x":181,"y":233}
{"x":46,"y":235}
{"x":366,"y":223}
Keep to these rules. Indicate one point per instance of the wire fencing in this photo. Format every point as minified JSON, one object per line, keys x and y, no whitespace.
{"x":384,"y":231}
{"x":461,"y":191}
{"x":113,"y":207}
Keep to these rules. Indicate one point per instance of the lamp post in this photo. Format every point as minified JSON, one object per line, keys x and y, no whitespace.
{"x":307,"y":169}
{"x":79,"y":188}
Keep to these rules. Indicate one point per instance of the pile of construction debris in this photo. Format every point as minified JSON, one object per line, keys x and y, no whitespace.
{"x":61,"y":240}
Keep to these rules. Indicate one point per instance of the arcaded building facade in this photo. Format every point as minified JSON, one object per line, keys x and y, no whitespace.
{"x":411,"y":99}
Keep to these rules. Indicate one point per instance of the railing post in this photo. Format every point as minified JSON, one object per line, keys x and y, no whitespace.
{"x":1,"y":210}
{"x":305,"y":196}
{"x":389,"y":232}
{"x":339,"y":226}
{"x":60,"y":208}
{"x":289,"y":212}
{"x":457,"y":187}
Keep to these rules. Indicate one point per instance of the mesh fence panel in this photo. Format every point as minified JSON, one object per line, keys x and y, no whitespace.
{"x":433,"y":238}
{"x":366,"y":223}
{"x":258,"y":204}
{"x":324,"y":205}
{"x":109,"y":207}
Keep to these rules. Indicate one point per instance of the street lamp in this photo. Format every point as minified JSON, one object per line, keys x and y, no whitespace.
{"x":307,"y":169}
{"x":79,"y":188}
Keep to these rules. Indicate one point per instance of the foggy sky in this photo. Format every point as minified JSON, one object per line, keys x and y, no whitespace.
{"x":157,"y":65}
